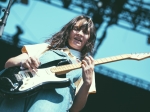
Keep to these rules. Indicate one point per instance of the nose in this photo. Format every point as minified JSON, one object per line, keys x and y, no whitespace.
{"x":80,"y":32}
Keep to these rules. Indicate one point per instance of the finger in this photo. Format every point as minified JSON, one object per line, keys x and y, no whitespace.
{"x":84,"y":62}
{"x":92,"y":60}
{"x":30,"y":65}
{"x":27,"y":64}
{"x":34,"y":62}
{"x":88,"y":60}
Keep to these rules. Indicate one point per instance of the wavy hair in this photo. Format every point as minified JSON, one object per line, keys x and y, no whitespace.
{"x":60,"y":39}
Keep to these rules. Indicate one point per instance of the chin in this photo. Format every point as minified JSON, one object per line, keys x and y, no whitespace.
{"x":75,"y":47}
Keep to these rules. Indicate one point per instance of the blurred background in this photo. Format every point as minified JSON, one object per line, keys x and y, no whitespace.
{"x":123,"y":27}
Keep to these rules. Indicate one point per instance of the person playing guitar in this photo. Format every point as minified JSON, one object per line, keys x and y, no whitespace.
{"x":74,"y":43}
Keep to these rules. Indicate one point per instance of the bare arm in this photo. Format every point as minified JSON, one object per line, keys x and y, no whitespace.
{"x":15,"y":61}
{"x":27,"y":62}
{"x":82,"y":95}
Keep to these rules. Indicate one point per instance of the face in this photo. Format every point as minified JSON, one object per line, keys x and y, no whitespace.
{"x":79,"y":35}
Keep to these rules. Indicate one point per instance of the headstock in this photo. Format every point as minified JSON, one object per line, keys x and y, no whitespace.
{"x":139,"y":56}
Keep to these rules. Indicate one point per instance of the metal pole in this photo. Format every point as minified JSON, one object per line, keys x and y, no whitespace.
{"x":4,"y":18}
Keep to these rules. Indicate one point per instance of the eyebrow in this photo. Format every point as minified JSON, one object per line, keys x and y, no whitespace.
{"x":83,"y":26}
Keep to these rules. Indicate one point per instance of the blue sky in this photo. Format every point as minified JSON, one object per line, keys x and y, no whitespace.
{"x":39,"y":20}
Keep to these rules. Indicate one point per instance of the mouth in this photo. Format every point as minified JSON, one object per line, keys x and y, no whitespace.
{"x":78,"y":39}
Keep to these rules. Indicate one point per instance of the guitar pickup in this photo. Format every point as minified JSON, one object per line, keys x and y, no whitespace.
{"x":18,"y":77}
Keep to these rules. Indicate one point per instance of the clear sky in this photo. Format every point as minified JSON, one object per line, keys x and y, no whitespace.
{"x":39,"y":20}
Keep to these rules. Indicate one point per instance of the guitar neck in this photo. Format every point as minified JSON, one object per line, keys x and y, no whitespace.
{"x":66,"y":68}
{"x":111,"y":59}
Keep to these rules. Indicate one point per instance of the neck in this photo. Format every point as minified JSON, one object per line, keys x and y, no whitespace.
{"x":75,"y":52}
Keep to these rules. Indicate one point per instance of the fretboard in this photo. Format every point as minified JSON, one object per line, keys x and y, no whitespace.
{"x":66,"y":68}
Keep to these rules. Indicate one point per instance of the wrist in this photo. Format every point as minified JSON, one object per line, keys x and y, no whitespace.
{"x":86,"y":84}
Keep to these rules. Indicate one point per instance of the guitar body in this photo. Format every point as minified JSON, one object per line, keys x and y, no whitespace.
{"x":16,"y":83}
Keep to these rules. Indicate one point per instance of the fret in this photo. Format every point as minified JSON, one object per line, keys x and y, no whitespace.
{"x":74,"y":65}
{"x":97,"y":62}
{"x":124,"y":56}
{"x":104,"y":60}
{"x":113,"y":58}
{"x":108,"y":59}
{"x":77,"y":65}
{"x":60,"y":68}
{"x":119,"y":57}
{"x":70,"y":67}
{"x":64,"y":68}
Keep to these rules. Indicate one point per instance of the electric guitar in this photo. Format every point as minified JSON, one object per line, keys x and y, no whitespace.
{"x":16,"y":83}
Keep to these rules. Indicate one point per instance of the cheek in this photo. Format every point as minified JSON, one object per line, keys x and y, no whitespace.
{"x":70,"y":39}
{"x":87,"y":38}
{"x":71,"y":35}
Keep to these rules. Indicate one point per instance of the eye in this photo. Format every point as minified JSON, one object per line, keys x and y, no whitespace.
{"x":75,"y":28}
{"x":85,"y":32}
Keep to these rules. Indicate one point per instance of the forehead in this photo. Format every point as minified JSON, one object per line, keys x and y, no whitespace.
{"x":81,"y":22}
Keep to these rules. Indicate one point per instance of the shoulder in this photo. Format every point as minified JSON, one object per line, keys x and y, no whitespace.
{"x":35,"y":46}
{"x":34,"y":49}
